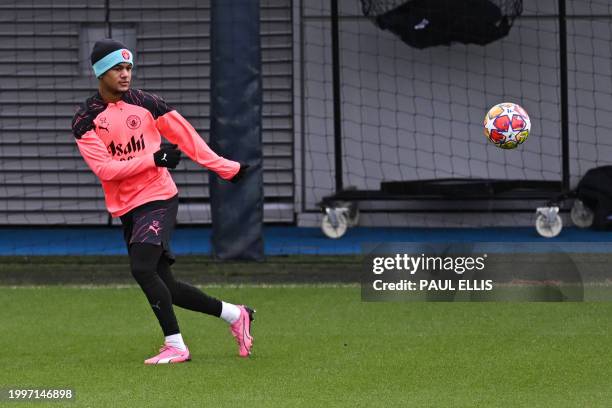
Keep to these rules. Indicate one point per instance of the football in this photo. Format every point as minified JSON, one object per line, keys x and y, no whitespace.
{"x":507,"y":125}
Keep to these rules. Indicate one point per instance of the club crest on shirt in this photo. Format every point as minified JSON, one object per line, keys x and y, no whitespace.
{"x":133,"y":122}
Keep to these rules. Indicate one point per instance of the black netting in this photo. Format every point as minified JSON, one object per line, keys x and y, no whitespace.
{"x":427,"y":23}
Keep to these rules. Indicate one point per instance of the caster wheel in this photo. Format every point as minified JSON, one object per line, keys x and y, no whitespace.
{"x":548,"y":222}
{"x":334,"y":223}
{"x":582,"y":216}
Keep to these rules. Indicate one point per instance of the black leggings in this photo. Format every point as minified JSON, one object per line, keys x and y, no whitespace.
{"x":152,"y":272}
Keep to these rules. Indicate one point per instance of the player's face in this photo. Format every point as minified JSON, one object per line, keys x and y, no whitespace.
{"x":118,"y":78}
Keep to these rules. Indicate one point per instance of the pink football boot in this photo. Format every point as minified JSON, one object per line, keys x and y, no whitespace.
{"x":241,"y":330}
{"x":169,"y":355}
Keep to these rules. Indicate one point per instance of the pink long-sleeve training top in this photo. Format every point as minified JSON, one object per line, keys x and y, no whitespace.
{"x":117,"y":141}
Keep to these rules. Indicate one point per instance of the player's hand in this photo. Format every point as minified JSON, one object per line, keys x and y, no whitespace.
{"x":167,"y":156}
{"x":238,"y":176}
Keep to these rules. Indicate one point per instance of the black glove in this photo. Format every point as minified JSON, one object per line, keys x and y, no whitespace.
{"x":238,"y":176}
{"x":167,"y":156}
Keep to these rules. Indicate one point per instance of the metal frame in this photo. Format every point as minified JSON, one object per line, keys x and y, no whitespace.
{"x":427,"y":190}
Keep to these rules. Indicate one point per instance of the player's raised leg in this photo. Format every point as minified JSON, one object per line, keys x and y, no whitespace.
{"x":190,"y":297}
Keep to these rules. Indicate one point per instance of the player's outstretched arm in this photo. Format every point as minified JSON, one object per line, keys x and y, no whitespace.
{"x":101,"y":163}
{"x":178,"y":130}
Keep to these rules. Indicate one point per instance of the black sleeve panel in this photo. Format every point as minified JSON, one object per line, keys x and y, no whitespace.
{"x":147,"y":100}
{"x":83,"y":120}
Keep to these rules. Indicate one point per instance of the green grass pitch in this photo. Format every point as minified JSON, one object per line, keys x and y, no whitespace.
{"x":314,"y":347}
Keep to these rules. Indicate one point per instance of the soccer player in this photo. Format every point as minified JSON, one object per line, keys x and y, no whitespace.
{"x":118,"y":132}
